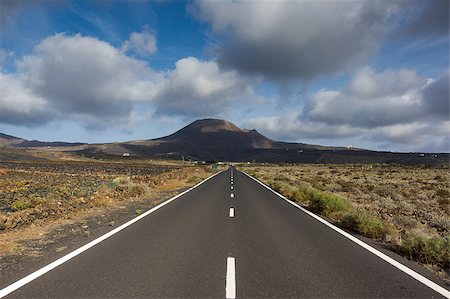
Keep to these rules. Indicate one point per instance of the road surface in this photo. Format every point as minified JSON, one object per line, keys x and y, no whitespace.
{"x":229,"y":237}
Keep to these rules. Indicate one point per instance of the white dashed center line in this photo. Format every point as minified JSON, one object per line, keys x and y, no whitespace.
{"x":231,"y":212}
{"x":231,"y":187}
{"x":230,"y":287}
{"x":232,"y":195}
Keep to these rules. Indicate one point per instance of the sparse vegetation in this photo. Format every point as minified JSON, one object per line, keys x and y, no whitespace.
{"x":429,"y":251}
{"x":41,"y":191}
{"x":407,"y":206}
{"x":195,"y":179}
{"x":365,"y":224}
{"x":20,"y":204}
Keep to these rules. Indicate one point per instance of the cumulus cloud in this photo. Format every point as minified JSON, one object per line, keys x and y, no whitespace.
{"x":293,"y":39}
{"x":397,"y":109}
{"x":142,"y":43}
{"x":292,"y":126}
{"x":19,"y":105}
{"x":197,"y":88}
{"x":371,"y":100}
{"x":86,"y":77}
{"x":95,"y":84}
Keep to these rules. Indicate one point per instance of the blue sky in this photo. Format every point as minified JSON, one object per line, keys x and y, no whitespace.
{"x":373,"y":74}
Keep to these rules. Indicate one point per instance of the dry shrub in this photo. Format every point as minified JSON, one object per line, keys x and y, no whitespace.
{"x":394,"y":199}
{"x":365,"y":224}
{"x":346,"y":186}
{"x":444,"y":193}
{"x":384,"y":191}
{"x":20,"y":204}
{"x":429,"y":251}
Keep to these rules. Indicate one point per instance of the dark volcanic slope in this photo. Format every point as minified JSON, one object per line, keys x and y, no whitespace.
{"x":206,"y":139}
{"x":220,"y":140}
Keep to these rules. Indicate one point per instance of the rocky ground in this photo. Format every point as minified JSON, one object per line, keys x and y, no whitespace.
{"x":50,"y":207}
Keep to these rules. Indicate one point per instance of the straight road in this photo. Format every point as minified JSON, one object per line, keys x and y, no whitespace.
{"x":229,"y":237}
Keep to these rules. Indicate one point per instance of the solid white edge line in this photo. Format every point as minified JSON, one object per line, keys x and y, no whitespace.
{"x":230,"y":287}
{"x":27,"y":279}
{"x":366,"y":246}
{"x":231,"y":212}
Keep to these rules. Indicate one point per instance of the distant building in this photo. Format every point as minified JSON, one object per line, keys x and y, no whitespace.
{"x":125,"y":155}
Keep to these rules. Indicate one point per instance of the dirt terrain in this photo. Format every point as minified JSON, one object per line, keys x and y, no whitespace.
{"x":47,"y":207}
{"x":407,"y":207}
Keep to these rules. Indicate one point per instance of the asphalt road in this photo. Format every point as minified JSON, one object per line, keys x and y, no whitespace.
{"x":190,"y":247}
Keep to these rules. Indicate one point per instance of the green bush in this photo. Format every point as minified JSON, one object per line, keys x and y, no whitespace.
{"x":20,"y":204}
{"x":327,"y":204}
{"x":284,"y":188}
{"x":300,"y":196}
{"x":365,"y":224}
{"x":435,"y":251}
{"x":195,"y":179}
{"x":430,"y":251}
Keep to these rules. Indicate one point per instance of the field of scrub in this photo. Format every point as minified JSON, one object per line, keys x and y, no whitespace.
{"x":406,"y":207}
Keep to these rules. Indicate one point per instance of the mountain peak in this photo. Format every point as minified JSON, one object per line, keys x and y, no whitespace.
{"x":219,"y":134}
{"x":206,"y":127}
{"x":213,"y":125}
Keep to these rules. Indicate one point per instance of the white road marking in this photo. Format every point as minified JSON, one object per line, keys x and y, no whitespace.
{"x":230,"y":287}
{"x":398,"y":265}
{"x":231,"y":187}
{"x":232,"y":195}
{"x":231,"y":212}
{"x":27,"y":279}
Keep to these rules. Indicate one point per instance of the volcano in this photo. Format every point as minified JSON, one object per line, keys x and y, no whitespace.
{"x":219,"y":135}
{"x":220,"y":140}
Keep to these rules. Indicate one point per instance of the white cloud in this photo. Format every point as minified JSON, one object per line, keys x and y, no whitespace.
{"x":197,"y":88}
{"x":386,"y":110}
{"x":143,"y":43}
{"x":19,"y":104}
{"x":371,"y":100}
{"x":294,"y":39}
{"x":86,"y":78}
{"x":93,"y":83}
{"x":293,"y":127}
